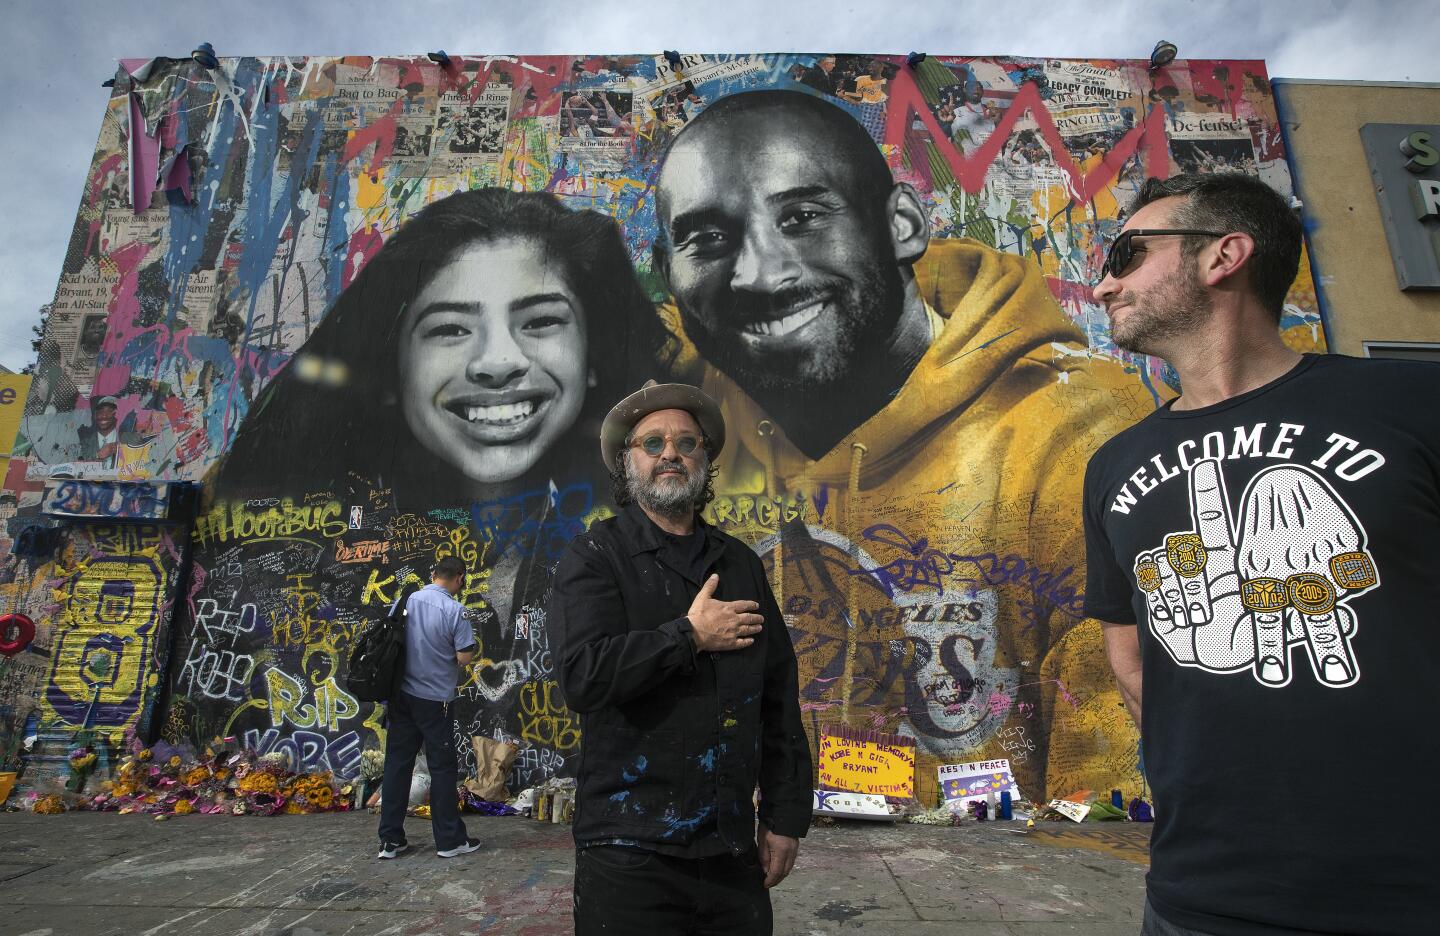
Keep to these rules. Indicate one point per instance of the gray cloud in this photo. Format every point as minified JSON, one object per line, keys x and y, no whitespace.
{"x":60,"y":52}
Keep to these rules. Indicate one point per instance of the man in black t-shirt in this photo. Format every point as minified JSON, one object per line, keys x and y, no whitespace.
{"x":1262,"y":556}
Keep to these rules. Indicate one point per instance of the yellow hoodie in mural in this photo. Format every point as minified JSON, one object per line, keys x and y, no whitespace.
{"x":931,"y":565}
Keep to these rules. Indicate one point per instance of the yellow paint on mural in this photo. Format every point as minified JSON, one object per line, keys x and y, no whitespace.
{"x":102,"y":665}
{"x":14,"y":388}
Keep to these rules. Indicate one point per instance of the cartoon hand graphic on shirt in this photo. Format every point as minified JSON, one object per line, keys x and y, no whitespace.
{"x":1301,"y":553}
{"x":1192,"y":586}
{"x":1226,"y":600}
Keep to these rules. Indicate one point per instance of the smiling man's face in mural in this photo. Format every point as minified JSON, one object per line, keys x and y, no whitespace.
{"x":785,"y":266}
{"x":493,"y":360}
{"x":105,"y":418}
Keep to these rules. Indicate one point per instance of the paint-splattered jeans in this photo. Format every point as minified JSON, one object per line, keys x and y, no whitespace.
{"x":622,"y":891}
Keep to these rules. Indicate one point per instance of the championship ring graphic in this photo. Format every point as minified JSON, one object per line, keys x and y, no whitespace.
{"x":1186,"y":552}
{"x":1353,"y":570}
{"x":1264,"y":594}
{"x":1219,"y":590}
{"x":1311,"y":593}
{"x":1147,"y":575}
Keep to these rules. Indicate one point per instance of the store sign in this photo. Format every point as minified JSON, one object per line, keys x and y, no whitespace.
{"x":1405,"y":164}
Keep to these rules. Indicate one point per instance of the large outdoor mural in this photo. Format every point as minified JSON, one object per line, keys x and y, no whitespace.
{"x":378,"y":307}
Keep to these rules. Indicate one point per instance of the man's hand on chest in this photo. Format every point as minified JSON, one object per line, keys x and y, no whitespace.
{"x":722,"y":625}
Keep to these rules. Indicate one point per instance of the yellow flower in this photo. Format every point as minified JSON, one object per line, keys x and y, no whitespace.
{"x":175,"y":761}
{"x":196,"y":775}
{"x":184,"y":807}
{"x":49,"y":805}
{"x":322,"y":798}
{"x":293,"y":808}
{"x":145,"y":754}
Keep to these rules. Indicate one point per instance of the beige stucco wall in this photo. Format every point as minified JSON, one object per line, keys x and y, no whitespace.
{"x":1355,"y":276}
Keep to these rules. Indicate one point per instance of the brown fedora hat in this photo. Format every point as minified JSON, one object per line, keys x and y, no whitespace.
{"x":657,"y":396}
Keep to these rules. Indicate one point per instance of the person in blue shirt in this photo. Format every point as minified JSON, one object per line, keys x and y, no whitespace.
{"x":438,"y":642}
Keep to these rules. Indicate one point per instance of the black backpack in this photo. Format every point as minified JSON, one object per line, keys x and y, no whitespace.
{"x":377,"y":662}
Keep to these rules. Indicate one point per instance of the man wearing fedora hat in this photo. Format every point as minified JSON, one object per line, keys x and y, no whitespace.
{"x":670,"y":645}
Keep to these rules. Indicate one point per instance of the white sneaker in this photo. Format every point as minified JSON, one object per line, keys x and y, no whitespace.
{"x":392,"y":849}
{"x":469,"y":846}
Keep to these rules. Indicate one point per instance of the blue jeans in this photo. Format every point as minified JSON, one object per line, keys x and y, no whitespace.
{"x":411,"y":723}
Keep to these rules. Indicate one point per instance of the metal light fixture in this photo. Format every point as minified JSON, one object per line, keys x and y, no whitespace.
{"x":914,"y":59}
{"x":673,"y":58}
{"x":1163,"y":54}
{"x":439,"y":58}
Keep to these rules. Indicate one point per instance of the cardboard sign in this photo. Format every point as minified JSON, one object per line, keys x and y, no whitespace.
{"x":963,"y":784}
{"x":853,"y":806}
{"x":867,"y":762}
{"x":1070,"y":810}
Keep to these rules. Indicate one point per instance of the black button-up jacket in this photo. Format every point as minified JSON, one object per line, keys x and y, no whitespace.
{"x":674,"y":740}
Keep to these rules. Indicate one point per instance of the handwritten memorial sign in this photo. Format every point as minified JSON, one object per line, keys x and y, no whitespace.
{"x":1070,"y":810}
{"x":963,"y":784}
{"x":867,"y":762}
{"x":853,"y":806}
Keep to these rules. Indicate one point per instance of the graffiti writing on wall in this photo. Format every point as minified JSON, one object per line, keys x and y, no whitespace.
{"x":386,"y":305}
{"x":129,"y":500}
{"x":109,"y":632}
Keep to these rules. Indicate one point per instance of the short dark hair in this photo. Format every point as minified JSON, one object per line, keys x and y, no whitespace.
{"x":1234,"y":201}
{"x":448,"y":568}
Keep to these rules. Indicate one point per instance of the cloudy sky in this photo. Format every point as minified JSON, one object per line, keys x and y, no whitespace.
{"x":61,"y":50}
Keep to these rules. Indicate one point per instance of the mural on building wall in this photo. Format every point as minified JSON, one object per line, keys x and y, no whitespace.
{"x":102,"y":607}
{"x":379,"y":305}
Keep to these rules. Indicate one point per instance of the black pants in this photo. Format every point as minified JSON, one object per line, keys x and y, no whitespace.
{"x":412,"y":722}
{"x":624,"y":891}
{"x":1156,"y":925}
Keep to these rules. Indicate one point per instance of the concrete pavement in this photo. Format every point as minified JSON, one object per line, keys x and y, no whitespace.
{"x":100,"y":873}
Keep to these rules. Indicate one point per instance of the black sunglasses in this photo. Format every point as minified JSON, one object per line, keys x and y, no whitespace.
{"x":1122,"y":251}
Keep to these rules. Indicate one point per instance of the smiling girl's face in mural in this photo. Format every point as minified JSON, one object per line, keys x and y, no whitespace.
{"x":493,"y":360}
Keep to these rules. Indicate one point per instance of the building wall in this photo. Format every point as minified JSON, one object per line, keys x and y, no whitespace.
{"x":1360,"y":296}
{"x":263,"y":321}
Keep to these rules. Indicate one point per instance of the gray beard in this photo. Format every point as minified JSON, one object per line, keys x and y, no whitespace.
{"x":665,"y":498}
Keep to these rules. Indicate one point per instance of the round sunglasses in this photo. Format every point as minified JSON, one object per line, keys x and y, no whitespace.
{"x":1122,"y":249}
{"x":653,"y":444}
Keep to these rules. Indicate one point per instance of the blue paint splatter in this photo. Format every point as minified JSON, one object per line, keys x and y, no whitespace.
{"x":675,"y":826}
{"x":639,"y":768}
{"x":707,"y":760}
{"x":981,"y":347}
{"x":619,"y":797}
